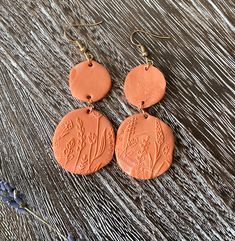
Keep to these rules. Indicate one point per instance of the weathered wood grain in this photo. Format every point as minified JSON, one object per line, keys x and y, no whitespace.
{"x":195,"y":199}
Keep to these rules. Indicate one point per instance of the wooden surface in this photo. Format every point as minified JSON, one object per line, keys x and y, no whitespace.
{"x":195,"y":199}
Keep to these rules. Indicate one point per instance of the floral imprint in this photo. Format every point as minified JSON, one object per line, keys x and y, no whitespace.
{"x":88,"y":146}
{"x":67,"y":126}
{"x":68,"y":150}
{"x":81,"y":139}
{"x":144,"y":146}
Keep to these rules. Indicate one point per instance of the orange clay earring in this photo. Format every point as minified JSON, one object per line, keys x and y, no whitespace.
{"x":144,"y":145}
{"x":83,"y":141}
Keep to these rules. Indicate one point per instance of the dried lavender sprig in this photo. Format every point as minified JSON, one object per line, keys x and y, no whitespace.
{"x":15,"y":199}
{"x":71,"y":237}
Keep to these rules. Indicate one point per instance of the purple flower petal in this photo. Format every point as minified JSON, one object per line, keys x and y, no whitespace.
{"x":2,"y":193}
{"x":2,"y":186}
{"x":11,"y":193}
{"x":8,"y":187}
{"x":6,"y":199}
{"x":14,"y":204}
{"x":21,"y":210}
{"x":71,"y":237}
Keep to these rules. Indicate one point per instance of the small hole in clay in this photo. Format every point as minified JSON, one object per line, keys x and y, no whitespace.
{"x":88,"y":111}
{"x":88,"y":97}
{"x":142,"y":102}
{"x":90,"y":65}
{"x":146,"y":116}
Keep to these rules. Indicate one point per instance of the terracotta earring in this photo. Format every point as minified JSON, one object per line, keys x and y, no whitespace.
{"x":84,"y":140}
{"x":144,"y":145}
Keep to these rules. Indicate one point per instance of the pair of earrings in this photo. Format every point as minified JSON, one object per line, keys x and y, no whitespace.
{"x":84,"y":140}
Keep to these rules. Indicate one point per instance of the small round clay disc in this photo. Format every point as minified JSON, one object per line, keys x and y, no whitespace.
{"x":89,"y":83}
{"x":144,"y":87}
{"x":83,"y":142}
{"x":144,"y":146}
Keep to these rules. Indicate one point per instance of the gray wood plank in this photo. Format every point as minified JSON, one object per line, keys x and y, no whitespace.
{"x":195,"y":199}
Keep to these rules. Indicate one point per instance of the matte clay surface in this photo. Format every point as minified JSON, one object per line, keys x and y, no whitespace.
{"x":144,"y":88}
{"x":83,"y":142}
{"x":144,"y":146}
{"x":89,"y":82}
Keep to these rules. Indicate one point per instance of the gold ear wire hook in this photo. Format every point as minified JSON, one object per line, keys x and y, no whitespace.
{"x":147,"y":33}
{"x":87,"y":24}
{"x":82,"y":48}
{"x":141,"y":47}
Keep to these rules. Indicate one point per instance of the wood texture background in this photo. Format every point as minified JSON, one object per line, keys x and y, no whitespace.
{"x":195,"y":199}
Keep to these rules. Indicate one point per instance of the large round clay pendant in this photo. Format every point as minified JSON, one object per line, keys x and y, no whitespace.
{"x":83,"y":141}
{"x":144,"y":146}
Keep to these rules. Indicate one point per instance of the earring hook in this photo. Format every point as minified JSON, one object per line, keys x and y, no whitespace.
{"x":147,"y":33}
{"x":87,"y":24}
{"x":143,"y":51}
{"x":77,"y":43}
